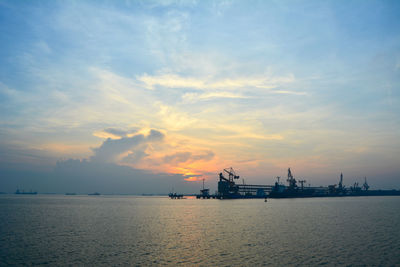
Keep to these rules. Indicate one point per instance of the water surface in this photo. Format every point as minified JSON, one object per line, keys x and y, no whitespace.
{"x":115,"y":230}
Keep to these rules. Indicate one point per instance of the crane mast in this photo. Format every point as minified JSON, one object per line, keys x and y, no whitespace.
{"x":231,"y":174}
{"x":291,"y":180}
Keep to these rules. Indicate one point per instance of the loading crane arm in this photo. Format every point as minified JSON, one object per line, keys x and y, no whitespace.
{"x":232,"y":174}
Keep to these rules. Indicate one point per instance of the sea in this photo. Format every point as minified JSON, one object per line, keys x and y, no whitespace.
{"x":61,"y":230}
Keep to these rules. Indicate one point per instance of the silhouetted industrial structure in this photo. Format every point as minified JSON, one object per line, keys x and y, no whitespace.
{"x":229,"y":189}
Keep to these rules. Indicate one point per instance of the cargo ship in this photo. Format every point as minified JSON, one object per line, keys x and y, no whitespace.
{"x":18,"y":192}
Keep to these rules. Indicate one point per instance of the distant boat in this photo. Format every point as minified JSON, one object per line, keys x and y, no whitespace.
{"x":70,"y":194}
{"x":25,"y":193}
{"x":94,"y":194}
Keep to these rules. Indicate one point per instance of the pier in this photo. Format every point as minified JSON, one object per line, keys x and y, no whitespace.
{"x":175,"y":196}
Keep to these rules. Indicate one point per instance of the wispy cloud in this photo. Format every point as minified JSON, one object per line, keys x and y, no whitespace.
{"x":115,"y":133}
{"x":194,"y":97}
{"x":285,"y":92}
{"x":5,"y":90}
{"x":177,"y":81}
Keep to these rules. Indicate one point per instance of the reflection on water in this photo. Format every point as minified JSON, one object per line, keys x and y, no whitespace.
{"x":103,"y":230}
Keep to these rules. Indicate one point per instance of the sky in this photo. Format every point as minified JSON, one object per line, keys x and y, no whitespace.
{"x":153,"y":96}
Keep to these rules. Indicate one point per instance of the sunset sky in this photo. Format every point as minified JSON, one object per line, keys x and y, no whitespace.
{"x":183,"y":89}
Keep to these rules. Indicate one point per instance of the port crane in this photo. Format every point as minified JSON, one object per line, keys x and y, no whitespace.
{"x":365,"y":185}
{"x":341,"y":186}
{"x":231,"y":176}
{"x":227,"y":188}
{"x":291,"y":180}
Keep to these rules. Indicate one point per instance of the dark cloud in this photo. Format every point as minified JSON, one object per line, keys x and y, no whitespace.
{"x":11,"y":155}
{"x":178,"y":157}
{"x":112,"y":148}
{"x":188,"y":156}
{"x":155,"y":136}
{"x":85,"y":177}
{"x":208,"y":155}
{"x":135,"y":156}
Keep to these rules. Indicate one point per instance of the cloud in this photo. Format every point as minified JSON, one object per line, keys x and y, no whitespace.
{"x":206,"y":156}
{"x":112,"y":178}
{"x":115,"y":133}
{"x":155,"y":136}
{"x":174,"y":119}
{"x":111,"y":149}
{"x":397,"y":66}
{"x":4,"y":89}
{"x":12,"y":155}
{"x":43,"y":47}
{"x":135,"y":157}
{"x":178,"y":81}
{"x":170,"y":81}
{"x":177,"y":157}
{"x":181,"y":157}
{"x":192,"y":97}
{"x":286,"y":92}
{"x":83,"y":177}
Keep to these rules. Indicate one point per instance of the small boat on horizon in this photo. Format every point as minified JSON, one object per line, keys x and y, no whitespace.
{"x":18,"y":192}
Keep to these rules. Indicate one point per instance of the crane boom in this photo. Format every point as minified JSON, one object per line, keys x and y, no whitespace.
{"x":231,"y":173}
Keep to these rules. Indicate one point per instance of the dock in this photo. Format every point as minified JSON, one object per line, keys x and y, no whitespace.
{"x":175,"y":196}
